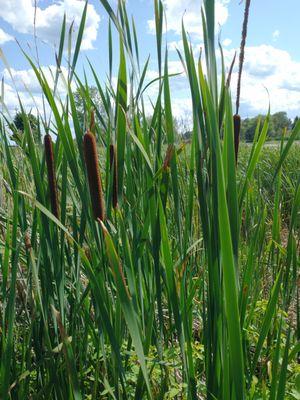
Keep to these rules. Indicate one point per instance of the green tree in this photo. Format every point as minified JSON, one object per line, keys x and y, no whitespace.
{"x":296,"y":119}
{"x":280,"y":121}
{"x":85,"y":100}
{"x":17,"y":126}
{"x":249,"y":125}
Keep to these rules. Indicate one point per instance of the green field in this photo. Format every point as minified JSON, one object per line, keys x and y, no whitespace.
{"x":134,"y":265}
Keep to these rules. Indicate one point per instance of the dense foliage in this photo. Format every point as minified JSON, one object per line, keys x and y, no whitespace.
{"x":153,"y":269}
{"x":278,"y":123}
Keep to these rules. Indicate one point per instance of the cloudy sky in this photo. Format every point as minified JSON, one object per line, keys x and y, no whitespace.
{"x":272,"y":63}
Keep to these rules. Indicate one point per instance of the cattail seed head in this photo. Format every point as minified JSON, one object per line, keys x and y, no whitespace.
{"x":237,"y":130}
{"x":49,"y":156}
{"x":91,"y":162}
{"x":113,"y":169}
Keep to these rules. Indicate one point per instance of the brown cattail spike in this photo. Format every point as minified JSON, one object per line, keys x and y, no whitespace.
{"x":113,"y":169}
{"x":91,"y":162}
{"x":237,"y":130}
{"x":49,"y":156}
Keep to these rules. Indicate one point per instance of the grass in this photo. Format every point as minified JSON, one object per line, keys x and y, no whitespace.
{"x":188,"y":287}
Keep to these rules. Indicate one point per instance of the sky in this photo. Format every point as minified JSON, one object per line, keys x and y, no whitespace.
{"x":272,"y":58}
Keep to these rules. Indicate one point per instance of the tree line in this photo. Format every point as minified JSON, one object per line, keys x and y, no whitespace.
{"x":279,"y":121}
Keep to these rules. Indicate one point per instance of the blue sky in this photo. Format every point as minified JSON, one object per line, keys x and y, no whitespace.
{"x":272,"y":55}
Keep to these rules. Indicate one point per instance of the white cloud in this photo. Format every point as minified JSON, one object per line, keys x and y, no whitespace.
{"x":178,"y":45}
{"x":30,"y":103}
{"x":4,"y":37}
{"x":190,"y":10}
{"x":267,"y":67}
{"x":227,"y":42}
{"x":181,"y":101}
{"x":25,"y":80}
{"x":20,"y":15}
{"x":269,"y":74}
{"x":182,"y":107}
{"x":23,"y":83}
{"x":175,"y":45}
{"x":276,"y":35}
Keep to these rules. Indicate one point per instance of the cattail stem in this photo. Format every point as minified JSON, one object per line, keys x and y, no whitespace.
{"x":91,"y":162}
{"x":242,"y":53}
{"x":49,"y":156}
{"x":237,"y":130}
{"x":114,"y":170}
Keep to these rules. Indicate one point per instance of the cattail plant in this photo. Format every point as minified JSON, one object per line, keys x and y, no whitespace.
{"x":183,"y":264}
{"x":114,"y":171}
{"x":91,"y":161}
{"x":51,"y":175}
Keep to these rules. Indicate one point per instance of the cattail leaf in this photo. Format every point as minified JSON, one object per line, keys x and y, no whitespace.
{"x":257,"y":148}
{"x":281,"y":393}
{"x":79,"y":39}
{"x":121,"y":107}
{"x":51,"y":174}
{"x":287,"y":147}
{"x":229,"y":147}
{"x":126,"y":303}
{"x":114,"y":172}
{"x":266,"y":324}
